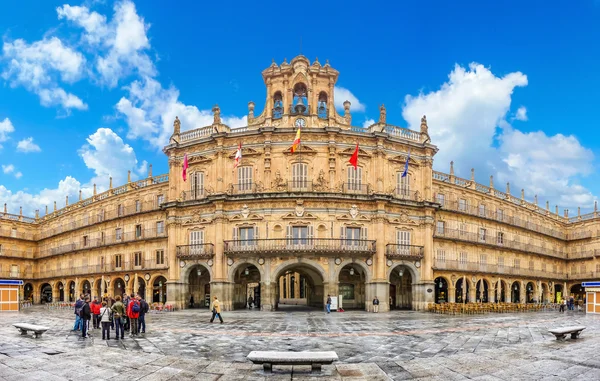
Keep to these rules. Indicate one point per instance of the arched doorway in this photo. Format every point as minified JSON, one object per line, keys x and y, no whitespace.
{"x":246,"y":284}
{"x":558,"y":293}
{"x":61,"y":292}
{"x":401,"y":281}
{"x":441,"y":290}
{"x":118,"y":287}
{"x":159,"y":290}
{"x":481,"y":291}
{"x":72,"y":294}
{"x":515,"y":292}
{"x":28,"y":292}
{"x":351,"y":287}
{"x":45,"y":293}
{"x":577,"y":292}
{"x":139,"y":288}
{"x":199,"y":287}
{"x":545,"y":293}
{"x":462,"y":293}
{"x":530,"y":296}
{"x":86,"y":287}
{"x":299,"y":286}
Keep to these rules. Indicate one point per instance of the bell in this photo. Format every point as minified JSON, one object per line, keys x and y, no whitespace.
{"x":300,"y":108}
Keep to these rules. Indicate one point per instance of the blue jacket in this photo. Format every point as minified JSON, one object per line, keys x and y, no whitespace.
{"x":78,"y":304}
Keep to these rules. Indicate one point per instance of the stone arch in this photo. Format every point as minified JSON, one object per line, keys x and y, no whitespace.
{"x":414,"y":272}
{"x":236,"y":265}
{"x":317,"y":282}
{"x":315,"y":266}
{"x":338,"y":269}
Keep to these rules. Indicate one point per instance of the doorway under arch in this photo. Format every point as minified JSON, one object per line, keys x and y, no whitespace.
{"x":299,"y":284}
{"x":558,"y":293}
{"x":501,"y":288}
{"x":198,"y":287}
{"x":247,"y":283}
{"x":118,"y":287}
{"x":462,"y":296}
{"x":159,"y":290}
{"x":401,"y":288}
{"x":482,"y":291}
{"x":140,"y":287}
{"x":441,"y":290}
{"x":515,"y":292}
{"x":45,"y":293}
{"x":28,"y":292}
{"x":352,"y":287}
{"x":72,"y":294}
{"x":61,"y":292}
{"x":86,"y":287}
{"x":545,"y":293}
{"x":577,"y":292}
{"x":530,"y":293}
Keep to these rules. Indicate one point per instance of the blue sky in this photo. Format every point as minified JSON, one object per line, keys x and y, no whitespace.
{"x":510,"y":88}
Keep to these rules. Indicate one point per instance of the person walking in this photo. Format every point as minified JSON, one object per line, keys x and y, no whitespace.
{"x":563,"y":303}
{"x":86,"y":315}
{"x":118,"y":310}
{"x":105,"y":321}
{"x":250,"y":301}
{"x":144,"y":308}
{"x":328,"y":304}
{"x":95,"y":307}
{"x":78,"y":304}
{"x":133,"y":313}
{"x":126,"y":324}
{"x":216,"y":310}
{"x":375,"y":304}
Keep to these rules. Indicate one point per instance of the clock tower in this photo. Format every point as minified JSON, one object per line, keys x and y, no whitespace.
{"x":300,"y":94}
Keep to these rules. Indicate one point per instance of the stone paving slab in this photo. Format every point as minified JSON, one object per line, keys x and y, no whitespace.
{"x":401,"y":345}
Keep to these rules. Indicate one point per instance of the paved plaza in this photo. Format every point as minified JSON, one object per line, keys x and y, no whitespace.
{"x":401,"y":345}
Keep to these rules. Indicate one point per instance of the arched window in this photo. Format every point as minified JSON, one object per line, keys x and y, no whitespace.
{"x":277,"y":105}
{"x":299,"y":176}
{"x":300,"y":101}
{"x":322,"y":106}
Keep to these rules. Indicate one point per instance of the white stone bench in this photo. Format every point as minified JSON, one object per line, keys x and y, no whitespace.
{"x":37,"y":329}
{"x":314,"y":359}
{"x":561,"y":332}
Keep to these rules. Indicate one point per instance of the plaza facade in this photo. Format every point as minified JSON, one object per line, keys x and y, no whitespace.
{"x":293,"y":226}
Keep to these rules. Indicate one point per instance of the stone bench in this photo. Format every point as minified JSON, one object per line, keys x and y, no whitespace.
{"x":270,"y":358}
{"x":37,"y":329}
{"x":561,"y":332}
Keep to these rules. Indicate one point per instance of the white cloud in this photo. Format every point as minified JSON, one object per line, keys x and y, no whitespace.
{"x":108,"y":156}
{"x":8,"y":168}
{"x":27,"y":145}
{"x":39,"y":66}
{"x":341,"y":95}
{"x":521,"y":114}
{"x":368,"y":122}
{"x":18,"y":175}
{"x":467,"y":121}
{"x":120,"y":43}
{"x":6,"y":127}
{"x":150,"y":111}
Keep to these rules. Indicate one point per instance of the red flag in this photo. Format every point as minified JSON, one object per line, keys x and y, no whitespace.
{"x":185,"y":167}
{"x":238,"y":156}
{"x":354,"y":158}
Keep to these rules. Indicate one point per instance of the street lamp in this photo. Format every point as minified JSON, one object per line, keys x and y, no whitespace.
{"x":351,"y":270}
{"x":199,"y":272}
{"x":401,"y":272}
{"x":246,"y":272}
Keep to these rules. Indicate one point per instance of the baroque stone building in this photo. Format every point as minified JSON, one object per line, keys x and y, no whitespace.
{"x":293,"y":227}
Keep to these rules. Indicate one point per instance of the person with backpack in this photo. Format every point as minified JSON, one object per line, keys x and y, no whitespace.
{"x":85,"y":314}
{"x":105,"y":319}
{"x":144,"y":308}
{"x":133,"y":313}
{"x":126,"y":324}
{"x":78,"y":304}
{"x":118,"y":310}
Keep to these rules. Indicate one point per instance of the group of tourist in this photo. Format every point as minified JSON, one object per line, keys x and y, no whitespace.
{"x":118,"y":314}
{"x":569,"y":303}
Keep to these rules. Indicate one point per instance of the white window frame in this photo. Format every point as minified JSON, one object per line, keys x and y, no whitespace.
{"x":197,"y":185}
{"x":118,"y":234}
{"x":481,"y":210}
{"x":462,"y":204}
{"x":500,"y":238}
{"x":300,"y":176}
{"x":160,"y":199}
{"x":402,"y":184}
{"x":403,"y":242}
{"x":354,"y":178}
{"x":440,"y":198}
{"x":482,"y":234}
{"x":245,"y":178}
{"x":196,"y":242}
{"x":138,"y":206}
{"x":440,"y":227}
{"x":160,"y":227}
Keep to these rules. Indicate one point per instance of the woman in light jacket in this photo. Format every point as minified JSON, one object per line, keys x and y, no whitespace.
{"x":216,"y":310}
{"x":105,"y":321}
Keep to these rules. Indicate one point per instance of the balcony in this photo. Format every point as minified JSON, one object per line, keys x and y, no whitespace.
{"x":14,"y":233}
{"x":244,"y":188}
{"x":586,"y":275}
{"x":196,"y":194}
{"x":356,"y":188}
{"x":10,"y":275}
{"x":23,"y":254}
{"x":497,"y":242}
{"x":308,"y":246}
{"x":477,"y":267}
{"x":409,"y":252}
{"x":108,"y":240}
{"x":197,"y":251}
{"x":404,"y":194}
{"x":494,"y":215}
{"x":144,"y":265}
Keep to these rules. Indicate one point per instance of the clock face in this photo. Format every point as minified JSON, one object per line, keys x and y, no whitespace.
{"x":300,"y":122}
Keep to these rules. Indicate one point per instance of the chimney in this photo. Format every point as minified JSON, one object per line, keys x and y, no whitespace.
{"x":150,"y":170}
{"x":109,"y":183}
{"x":128,"y":176}
{"x":95,"y":189}
{"x":491,"y":182}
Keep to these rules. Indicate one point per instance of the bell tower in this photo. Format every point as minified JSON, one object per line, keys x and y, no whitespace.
{"x":300,"y":94}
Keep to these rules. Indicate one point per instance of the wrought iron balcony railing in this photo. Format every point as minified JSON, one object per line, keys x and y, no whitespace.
{"x":197,"y":251}
{"x":478,"y":267}
{"x":196,"y":194}
{"x":145,"y":264}
{"x":356,"y":188}
{"x":404,"y":251}
{"x":316,"y":246}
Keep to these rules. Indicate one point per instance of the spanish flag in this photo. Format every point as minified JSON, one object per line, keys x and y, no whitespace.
{"x":296,"y":143}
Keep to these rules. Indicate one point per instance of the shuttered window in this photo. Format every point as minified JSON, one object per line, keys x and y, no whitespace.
{"x":300,"y":235}
{"x":245,"y":236}
{"x":354,"y":179}
{"x":299,"y":176}
{"x":354,"y":237}
{"x":245,"y":178}
{"x":402,"y":184}
{"x":196,"y":242}
{"x":197,"y":185}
